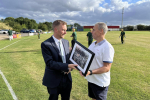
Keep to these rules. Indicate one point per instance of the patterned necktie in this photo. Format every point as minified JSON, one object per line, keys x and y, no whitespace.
{"x":62,"y":52}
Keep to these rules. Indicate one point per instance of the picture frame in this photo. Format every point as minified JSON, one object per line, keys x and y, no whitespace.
{"x":81,"y":56}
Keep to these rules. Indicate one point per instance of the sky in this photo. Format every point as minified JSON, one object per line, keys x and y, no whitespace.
{"x":84,"y":12}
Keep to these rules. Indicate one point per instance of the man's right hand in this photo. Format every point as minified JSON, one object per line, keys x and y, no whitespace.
{"x":70,"y":48}
{"x":72,"y":66}
{"x":88,"y":73}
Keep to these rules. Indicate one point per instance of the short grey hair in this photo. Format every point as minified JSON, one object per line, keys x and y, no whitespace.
{"x":103,"y":26}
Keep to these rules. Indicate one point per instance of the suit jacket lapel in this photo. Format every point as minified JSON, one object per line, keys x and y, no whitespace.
{"x":55,"y":46}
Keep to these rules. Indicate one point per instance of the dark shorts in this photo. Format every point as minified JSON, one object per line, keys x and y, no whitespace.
{"x":97,"y":92}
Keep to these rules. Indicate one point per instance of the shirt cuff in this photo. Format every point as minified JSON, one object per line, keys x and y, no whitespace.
{"x":107,"y":61}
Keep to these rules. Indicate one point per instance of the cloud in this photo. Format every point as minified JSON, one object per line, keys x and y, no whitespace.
{"x":84,"y":12}
{"x":118,"y":4}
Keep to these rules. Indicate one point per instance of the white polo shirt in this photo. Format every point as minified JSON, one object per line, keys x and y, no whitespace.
{"x":104,"y":52}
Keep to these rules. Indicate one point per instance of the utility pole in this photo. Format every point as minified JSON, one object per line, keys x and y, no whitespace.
{"x":122,"y":17}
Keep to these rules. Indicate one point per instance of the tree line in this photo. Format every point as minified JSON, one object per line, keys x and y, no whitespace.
{"x":139,"y":27}
{"x":24,"y":23}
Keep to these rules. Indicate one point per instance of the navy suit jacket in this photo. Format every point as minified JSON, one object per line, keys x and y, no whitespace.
{"x":53,"y":61}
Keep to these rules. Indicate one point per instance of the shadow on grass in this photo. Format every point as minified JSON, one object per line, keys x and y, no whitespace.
{"x":116,"y":44}
{"x":38,"y":51}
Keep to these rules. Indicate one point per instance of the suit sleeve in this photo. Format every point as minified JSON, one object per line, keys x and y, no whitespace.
{"x":49,"y":61}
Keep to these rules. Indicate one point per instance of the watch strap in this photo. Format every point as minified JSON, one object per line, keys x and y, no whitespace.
{"x":90,"y":72}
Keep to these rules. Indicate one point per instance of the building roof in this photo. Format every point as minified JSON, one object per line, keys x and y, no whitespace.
{"x":113,"y":26}
{"x":88,"y":26}
{"x":107,"y":26}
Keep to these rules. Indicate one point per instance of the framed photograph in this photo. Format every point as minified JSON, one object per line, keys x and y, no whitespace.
{"x":81,"y":56}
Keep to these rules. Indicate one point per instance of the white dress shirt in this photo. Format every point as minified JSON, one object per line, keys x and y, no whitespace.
{"x":57,"y":43}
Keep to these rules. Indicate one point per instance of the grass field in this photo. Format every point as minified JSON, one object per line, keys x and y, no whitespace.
{"x":23,"y":66}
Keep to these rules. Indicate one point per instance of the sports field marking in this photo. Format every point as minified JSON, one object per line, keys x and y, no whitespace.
{"x":4,"y":78}
{"x":9,"y":45}
{"x":14,"y":43}
{"x":9,"y":87}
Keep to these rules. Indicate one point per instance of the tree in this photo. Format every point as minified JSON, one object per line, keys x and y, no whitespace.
{"x":49,"y":25}
{"x":2,"y":20}
{"x":24,"y":26}
{"x":11,"y":23}
{"x":17,"y":27}
{"x":141,"y":27}
{"x":8,"y":19}
{"x":20,"y":20}
{"x":147,"y":27}
{"x":129,"y":28}
{"x":42,"y":26}
{"x":76,"y":25}
{"x":26,"y":23}
{"x":32,"y":24}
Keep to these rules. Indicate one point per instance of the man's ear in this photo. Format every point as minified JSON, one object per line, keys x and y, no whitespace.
{"x":55,"y":29}
{"x":102,"y":31}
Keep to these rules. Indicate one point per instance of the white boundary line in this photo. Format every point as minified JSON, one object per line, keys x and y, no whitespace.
{"x":4,"y":78}
{"x":10,"y":45}
{"x":9,"y":87}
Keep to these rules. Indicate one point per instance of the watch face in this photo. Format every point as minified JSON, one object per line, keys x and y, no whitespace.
{"x":90,"y":72}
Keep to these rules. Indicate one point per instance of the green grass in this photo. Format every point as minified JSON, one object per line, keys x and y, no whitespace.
{"x":23,"y":66}
{"x":4,"y":92}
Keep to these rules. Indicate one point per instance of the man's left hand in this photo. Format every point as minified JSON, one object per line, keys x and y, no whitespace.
{"x":68,"y":71}
{"x":88,"y":73}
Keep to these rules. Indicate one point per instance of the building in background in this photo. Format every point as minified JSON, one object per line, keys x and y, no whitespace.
{"x":113,"y":28}
{"x":87,"y":28}
{"x":80,"y":28}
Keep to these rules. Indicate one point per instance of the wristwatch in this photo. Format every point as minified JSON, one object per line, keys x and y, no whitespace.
{"x":90,"y":72}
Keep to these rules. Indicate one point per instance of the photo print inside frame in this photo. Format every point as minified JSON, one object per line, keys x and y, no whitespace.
{"x":81,"y":56}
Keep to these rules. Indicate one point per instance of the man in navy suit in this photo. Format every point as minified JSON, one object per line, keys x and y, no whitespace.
{"x":55,"y":51}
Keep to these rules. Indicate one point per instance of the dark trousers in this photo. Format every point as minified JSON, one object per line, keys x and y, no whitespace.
{"x":64,"y":89}
{"x":122,"y":39}
{"x":72,"y":42}
{"x":89,"y":43}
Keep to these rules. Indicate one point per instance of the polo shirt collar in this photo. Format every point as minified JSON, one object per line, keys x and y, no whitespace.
{"x":100,"y":43}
